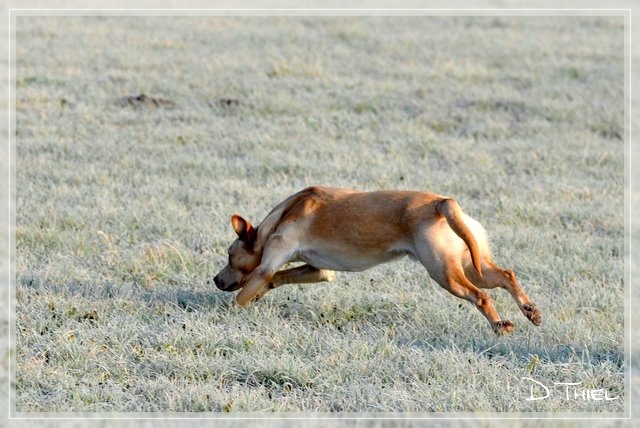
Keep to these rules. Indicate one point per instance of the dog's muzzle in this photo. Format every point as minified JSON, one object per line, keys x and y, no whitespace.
{"x":221,"y":285}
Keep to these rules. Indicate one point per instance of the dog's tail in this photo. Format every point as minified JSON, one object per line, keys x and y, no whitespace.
{"x":451,"y":211}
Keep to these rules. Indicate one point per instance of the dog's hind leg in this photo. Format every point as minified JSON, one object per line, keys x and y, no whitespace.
{"x":450,"y":275}
{"x":494,"y":276}
{"x":445,"y":267}
{"x":457,"y":284}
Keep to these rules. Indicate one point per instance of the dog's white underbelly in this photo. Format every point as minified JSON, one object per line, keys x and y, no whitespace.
{"x":336,"y":260}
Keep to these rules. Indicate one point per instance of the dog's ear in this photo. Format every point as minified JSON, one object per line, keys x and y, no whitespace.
{"x":243,"y":228}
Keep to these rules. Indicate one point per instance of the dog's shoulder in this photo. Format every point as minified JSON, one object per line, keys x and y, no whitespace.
{"x":307,"y":200}
{"x":296,"y":206}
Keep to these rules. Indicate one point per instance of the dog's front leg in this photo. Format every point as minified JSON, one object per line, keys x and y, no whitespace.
{"x":304,"y":274}
{"x":254,"y":286}
{"x":276,"y":253}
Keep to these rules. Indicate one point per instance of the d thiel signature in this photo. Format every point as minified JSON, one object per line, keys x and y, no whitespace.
{"x":567,"y":391}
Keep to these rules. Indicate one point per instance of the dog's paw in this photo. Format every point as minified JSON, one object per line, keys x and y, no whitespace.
{"x":328,"y":275}
{"x":532,"y":313}
{"x":503,"y":327}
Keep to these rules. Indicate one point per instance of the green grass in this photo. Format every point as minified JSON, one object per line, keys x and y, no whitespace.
{"x":122,"y":209}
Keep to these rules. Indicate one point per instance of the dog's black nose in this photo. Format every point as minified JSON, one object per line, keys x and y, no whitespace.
{"x":217,"y":281}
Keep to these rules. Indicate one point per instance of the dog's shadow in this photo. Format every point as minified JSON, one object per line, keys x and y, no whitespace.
{"x":189,"y":300}
{"x":521,"y":344}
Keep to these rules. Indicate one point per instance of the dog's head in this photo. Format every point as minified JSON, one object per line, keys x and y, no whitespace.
{"x":243,"y":259}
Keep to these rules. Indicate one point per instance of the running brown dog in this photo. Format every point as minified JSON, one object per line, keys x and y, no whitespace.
{"x":345,"y":230}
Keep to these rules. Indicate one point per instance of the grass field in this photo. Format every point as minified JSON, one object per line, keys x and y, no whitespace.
{"x":123,"y":204}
